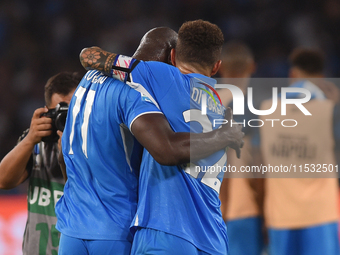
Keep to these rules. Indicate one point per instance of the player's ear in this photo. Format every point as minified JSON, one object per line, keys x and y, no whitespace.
{"x":173,"y":57}
{"x":216,"y":67}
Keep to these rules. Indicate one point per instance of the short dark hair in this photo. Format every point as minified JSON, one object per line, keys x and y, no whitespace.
{"x":62,"y":83}
{"x":310,"y":61}
{"x":199,"y":42}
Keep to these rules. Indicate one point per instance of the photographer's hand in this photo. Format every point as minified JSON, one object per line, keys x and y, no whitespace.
{"x":13,"y":165}
{"x":40,"y":126}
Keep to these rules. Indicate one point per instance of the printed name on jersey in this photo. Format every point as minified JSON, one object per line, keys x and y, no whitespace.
{"x":213,"y":106}
{"x":294,"y":146}
{"x":95,"y":76}
{"x":121,"y":62}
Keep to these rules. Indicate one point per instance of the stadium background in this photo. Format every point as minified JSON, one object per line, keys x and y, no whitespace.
{"x":41,"y":38}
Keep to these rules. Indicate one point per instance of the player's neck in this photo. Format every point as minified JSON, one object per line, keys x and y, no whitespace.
{"x":186,"y":68}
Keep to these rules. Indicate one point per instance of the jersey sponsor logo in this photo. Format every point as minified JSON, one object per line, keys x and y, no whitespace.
{"x":43,"y":196}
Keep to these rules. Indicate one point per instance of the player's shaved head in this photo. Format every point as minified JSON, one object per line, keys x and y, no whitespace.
{"x":156,"y":45}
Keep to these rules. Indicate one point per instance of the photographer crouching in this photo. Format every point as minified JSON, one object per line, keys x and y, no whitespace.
{"x":35,"y":158}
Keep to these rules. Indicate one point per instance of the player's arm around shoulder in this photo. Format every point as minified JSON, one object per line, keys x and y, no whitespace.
{"x":165,"y":146}
{"x":111,"y":64}
{"x":96,"y":58}
{"x":13,"y":166}
{"x":173,"y":148}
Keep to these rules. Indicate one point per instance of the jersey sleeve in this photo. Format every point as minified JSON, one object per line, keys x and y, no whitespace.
{"x":154,"y":78}
{"x":134,"y":104}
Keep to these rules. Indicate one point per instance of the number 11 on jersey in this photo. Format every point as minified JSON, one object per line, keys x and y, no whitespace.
{"x":87,"y":112}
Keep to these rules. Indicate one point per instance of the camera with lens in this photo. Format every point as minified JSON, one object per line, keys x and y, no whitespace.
{"x":58,"y":116}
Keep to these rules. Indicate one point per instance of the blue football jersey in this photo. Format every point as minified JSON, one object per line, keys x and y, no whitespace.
{"x":101,"y":156}
{"x":182,"y":200}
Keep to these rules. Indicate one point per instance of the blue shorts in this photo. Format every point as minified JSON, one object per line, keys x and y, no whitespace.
{"x":245,"y":236}
{"x":151,"y":241}
{"x":317,"y":240}
{"x":70,"y":245}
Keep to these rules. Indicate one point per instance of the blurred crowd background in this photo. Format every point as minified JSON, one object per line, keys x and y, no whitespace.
{"x":41,"y":38}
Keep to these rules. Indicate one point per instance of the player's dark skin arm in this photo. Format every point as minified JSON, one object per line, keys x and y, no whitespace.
{"x":96,"y":58}
{"x":169,"y":148}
